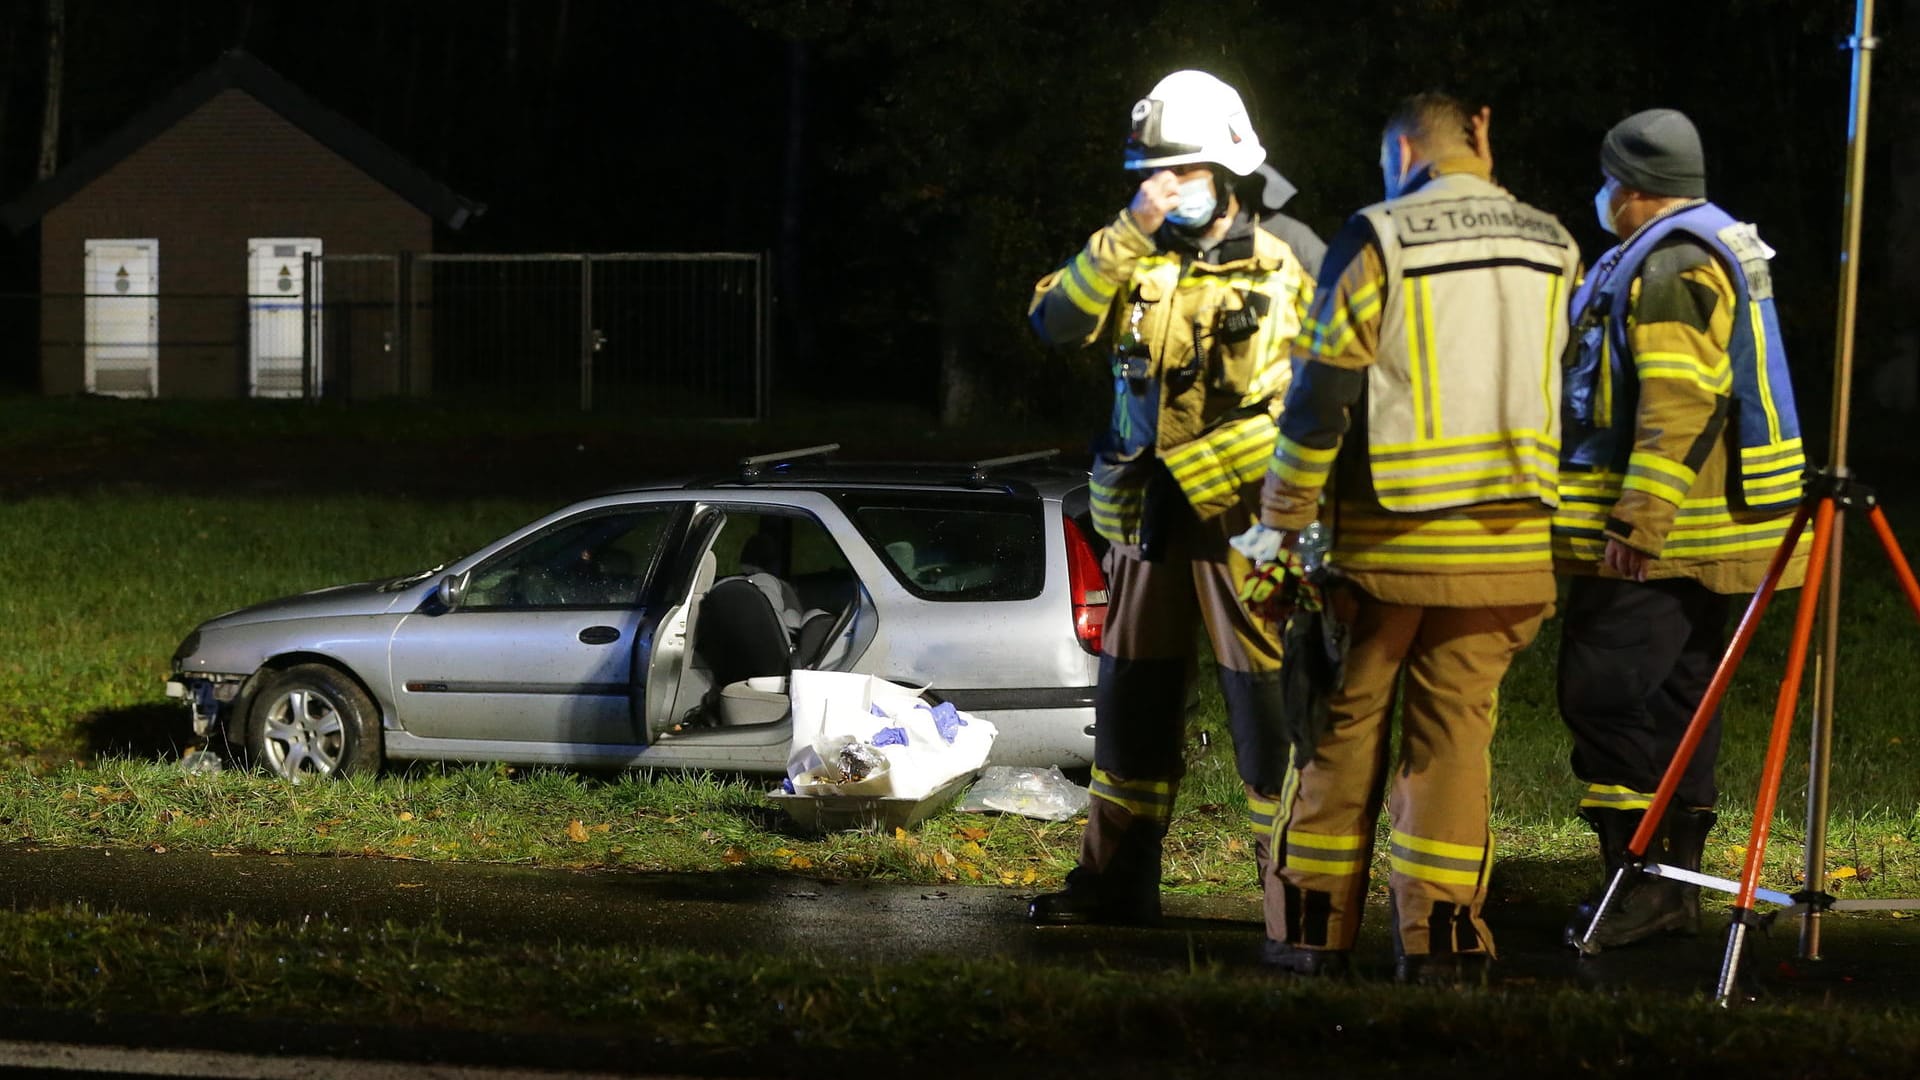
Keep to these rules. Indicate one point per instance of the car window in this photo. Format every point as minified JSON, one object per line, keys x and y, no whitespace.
{"x":596,"y":560}
{"x":790,"y":555}
{"x":956,"y":549}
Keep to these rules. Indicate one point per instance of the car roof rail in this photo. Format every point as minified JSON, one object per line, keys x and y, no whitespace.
{"x":980,"y":469}
{"x":751,"y":467}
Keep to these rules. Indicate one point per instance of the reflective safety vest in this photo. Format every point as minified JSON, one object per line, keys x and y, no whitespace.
{"x":1603,"y":385}
{"x":1463,"y":398}
{"x":1200,"y":365}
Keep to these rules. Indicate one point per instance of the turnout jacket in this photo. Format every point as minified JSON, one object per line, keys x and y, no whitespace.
{"x":1427,"y":389}
{"x":1200,"y":358}
{"x":1684,"y":438}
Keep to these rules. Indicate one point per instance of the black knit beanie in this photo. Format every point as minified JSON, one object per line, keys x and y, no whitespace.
{"x":1657,"y":152}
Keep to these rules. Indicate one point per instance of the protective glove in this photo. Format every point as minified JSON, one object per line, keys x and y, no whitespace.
{"x":1272,"y":590}
{"x":1260,"y":544}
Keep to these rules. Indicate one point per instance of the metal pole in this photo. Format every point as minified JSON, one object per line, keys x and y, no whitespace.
{"x":307,"y":373}
{"x":586,"y":333}
{"x":1821,"y":735}
{"x":762,"y":340}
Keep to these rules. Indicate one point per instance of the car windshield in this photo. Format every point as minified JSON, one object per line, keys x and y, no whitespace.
{"x":955,"y":548}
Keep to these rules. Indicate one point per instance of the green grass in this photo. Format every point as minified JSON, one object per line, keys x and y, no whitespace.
{"x":103,"y":586}
{"x":694,"y":1013}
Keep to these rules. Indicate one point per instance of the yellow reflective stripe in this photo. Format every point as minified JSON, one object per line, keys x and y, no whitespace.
{"x":1438,"y":847}
{"x":1615,"y":797}
{"x":1483,"y":439}
{"x":1760,"y":362}
{"x":1397,"y":557}
{"x":1656,"y":475}
{"x":1224,"y":458}
{"x":1416,"y":372}
{"x":1438,"y":875}
{"x":1414,"y":483}
{"x":1604,"y":419}
{"x":1433,"y":463}
{"x":1301,"y":466}
{"x":1762,"y":458}
{"x":1320,"y":853}
{"x":1147,"y":798}
{"x":1674,"y":365}
{"x":1080,"y":292}
{"x":1260,"y":814}
{"x":1785,"y":484}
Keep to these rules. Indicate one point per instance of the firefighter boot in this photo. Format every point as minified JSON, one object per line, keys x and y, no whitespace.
{"x":1687,"y":844}
{"x":1294,"y":960}
{"x":1090,"y":898}
{"x":1645,"y":905}
{"x":1123,"y":891}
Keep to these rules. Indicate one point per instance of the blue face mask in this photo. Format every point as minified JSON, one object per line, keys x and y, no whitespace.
{"x":1603,"y":204}
{"x":1197,"y":203}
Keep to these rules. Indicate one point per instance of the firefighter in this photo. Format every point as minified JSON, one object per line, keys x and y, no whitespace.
{"x":1679,"y":474}
{"x":1426,"y":398}
{"x":1199,"y":293}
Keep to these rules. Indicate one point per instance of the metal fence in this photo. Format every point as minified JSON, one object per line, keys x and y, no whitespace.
{"x":664,"y":334}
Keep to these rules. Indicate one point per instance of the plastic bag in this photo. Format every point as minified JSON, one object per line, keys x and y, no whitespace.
{"x":1046,"y":794}
{"x":924,"y":746}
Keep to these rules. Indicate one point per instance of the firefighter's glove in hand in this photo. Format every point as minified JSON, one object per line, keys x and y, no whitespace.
{"x":1260,"y":544}
{"x":1272,"y":590}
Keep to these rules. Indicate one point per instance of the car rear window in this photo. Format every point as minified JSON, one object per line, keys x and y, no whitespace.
{"x":955,"y":548}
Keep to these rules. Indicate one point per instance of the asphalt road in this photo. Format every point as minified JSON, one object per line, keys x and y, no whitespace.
{"x":1869,"y":958}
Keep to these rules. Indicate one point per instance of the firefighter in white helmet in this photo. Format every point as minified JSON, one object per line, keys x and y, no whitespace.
{"x":1200,"y":290}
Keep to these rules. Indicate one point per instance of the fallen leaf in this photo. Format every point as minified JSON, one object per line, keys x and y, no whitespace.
{"x":406,"y":815}
{"x":781,"y":853}
{"x":710,"y":836}
{"x":576,"y":832}
{"x":1902,"y":914}
{"x":1841,"y":873}
{"x":903,"y":836}
{"x":943,"y":858}
{"x":1006,"y":877}
{"x":671,"y":820}
{"x":601,"y":827}
{"x":973,"y":851}
{"x":1895,"y":741}
{"x":800,"y":862}
{"x":409,"y":884}
{"x":157,"y":849}
{"x":69,"y":796}
{"x":735,"y":855}
{"x":1234,"y":846}
{"x":399,"y":841}
{"x":99,"y":789}
{"x":617,"y":849}
{"x":971,"y":834}
{"x":165,"y":817}
{"x":1028,"y":877}
{"x":321,"y":830}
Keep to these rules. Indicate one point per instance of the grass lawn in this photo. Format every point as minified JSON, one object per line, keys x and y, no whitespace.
{"x":686,"y":1013}
{"x":101,"y":585}
{"x":106,"y":584}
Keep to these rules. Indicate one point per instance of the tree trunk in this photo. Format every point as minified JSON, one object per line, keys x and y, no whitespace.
{"x":56,"y":64}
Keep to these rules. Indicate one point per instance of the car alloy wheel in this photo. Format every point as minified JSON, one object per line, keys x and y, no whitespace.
{"x":304,"y":733}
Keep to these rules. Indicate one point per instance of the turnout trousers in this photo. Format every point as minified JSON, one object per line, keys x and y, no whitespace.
{"x":1146,"y":662}
{"x":1446,"y":663}
{"x":1635,"y":660}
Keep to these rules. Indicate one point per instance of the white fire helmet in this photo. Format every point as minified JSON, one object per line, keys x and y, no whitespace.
{"x":1190,"y":117}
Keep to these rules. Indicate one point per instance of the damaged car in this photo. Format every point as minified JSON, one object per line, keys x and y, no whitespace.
{"x":657,"y":626}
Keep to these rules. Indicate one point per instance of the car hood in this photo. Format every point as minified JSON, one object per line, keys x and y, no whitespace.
{"x":362,"y":598}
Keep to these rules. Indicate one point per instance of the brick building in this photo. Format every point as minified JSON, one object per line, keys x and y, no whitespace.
{"x":177,"y":254}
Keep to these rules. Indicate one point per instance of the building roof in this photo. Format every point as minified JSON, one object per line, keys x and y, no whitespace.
{"x":237,"y":70}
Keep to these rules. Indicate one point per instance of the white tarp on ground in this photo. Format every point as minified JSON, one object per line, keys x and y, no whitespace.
{"x":862,"y":735}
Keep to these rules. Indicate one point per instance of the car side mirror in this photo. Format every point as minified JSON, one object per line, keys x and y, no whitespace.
{"x":450,"y":590}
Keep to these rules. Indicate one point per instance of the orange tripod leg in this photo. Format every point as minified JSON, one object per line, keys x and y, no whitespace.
{"x":1717,"y":689}
{"x":1901,"y":570}
{"x":1783,"y":711}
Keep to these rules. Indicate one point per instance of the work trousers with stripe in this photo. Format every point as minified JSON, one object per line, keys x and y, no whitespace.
{"x":1140,"y":706}
{"x":1447,"y":663}
{"x":1635,"y":660}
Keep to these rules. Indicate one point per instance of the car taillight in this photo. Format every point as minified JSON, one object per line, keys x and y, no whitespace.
{"x":1087,"y":585}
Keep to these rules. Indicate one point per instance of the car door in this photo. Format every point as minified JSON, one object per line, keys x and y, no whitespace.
{"x":540,"y":643}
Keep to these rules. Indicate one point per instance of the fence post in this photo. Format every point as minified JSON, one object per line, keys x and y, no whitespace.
{"x":586,"y":333}
{"x":307,"y":372}
{"x":403,"y":319}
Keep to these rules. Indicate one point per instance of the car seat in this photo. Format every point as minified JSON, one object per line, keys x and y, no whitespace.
{"x":743,"y":641}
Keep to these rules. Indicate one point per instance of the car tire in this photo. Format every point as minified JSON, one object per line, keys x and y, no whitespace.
{"x":312,"y":721}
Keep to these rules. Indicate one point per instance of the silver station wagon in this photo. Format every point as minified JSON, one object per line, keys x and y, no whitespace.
{"x":657,"y":626}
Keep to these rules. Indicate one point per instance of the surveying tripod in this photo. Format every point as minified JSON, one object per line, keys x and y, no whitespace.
{"x":1828,"y":493}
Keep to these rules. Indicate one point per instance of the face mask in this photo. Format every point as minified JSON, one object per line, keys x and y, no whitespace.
{"x":1603,"y":204}
{"x":1197,"y":203}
